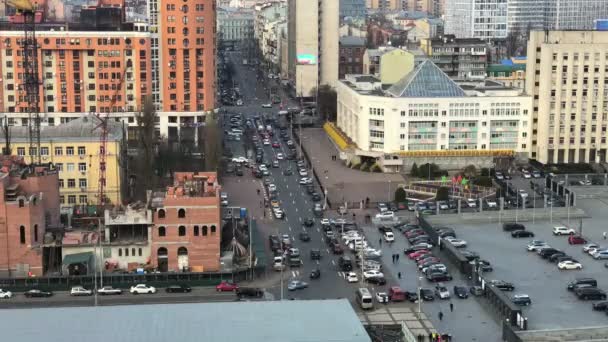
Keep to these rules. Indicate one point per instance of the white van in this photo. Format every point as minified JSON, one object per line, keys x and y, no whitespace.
{"x":364,"y":298}
{"x":236,"y":131}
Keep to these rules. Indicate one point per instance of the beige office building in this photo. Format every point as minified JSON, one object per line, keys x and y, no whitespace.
{"x":567,"y":74}
{"x":313,"y":35}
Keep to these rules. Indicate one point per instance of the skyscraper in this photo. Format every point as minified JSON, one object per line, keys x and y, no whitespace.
{"x":484,"y":19}
{"x":555,"y":14}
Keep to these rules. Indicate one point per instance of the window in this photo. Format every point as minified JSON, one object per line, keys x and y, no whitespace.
{"x":35,"y":233}
{"x":22,"y":235}
{"x":161,"y":213}
{"x":181,"y":231}
{"x":58,"y":151}
{"x":21,"y":151}
{"x":126,"y":252}
{"x":70,"y":167}
{"x":33,"y":151}
{"x":44,"y":151}
{"x":72,"y":199}
{"x":82,"y":150}
{"x":71,"y":183}
{"x":82,"y":167}
{"x":138,"y":252}
{"x":181,"y":213}
{"x":82,"y":182}
{"x":62,"y":199}
{"x":133,"y":251}
{"x":195,"y":230}
{"x":69,"y":151}
{"x":162,"y":231}
{"x":83,"y":199}
{"x":120,"y":252}
{"x":59,"y":166}
{"x":204,"y":230}
{"x":61,"y":183}
{"x":212,"y":229}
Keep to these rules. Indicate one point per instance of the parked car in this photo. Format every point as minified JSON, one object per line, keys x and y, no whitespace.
{"x":502,"y":285}
{"x":569,"y":265}
{"x":521,"y":299}
{"x":5,"y":294}
{"x":561,"y":230}
{"x":509,"y":227}
{"x":352,"y":277}
{"x":109,"y":290}
{"x":521,"y":233}
{"x":427,"y":295}
{"x":142,"y":288}
{"x":297,"y":285}
{"x":600,"y":306}
{"x":441,"y":291}
{"x":80,"y":291}
{"x":582,"y":281}
{"x":178,"y":288}
{"x":461,"y":292}
{"x":253,"y":292}
{"x":576,"y":240}
{"x":226,"y":286}
{"x":36,"y":293}
{"x":587,"y":293}
{"x":534,"y":245}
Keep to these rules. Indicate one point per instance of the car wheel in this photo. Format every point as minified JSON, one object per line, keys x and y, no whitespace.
{"x":135,"y":292}
{"x":149,"y":292}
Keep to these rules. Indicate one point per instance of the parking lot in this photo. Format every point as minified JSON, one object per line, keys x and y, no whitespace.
{"x":540,"y":278}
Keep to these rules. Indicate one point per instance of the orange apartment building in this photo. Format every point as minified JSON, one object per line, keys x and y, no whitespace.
{"x":29,"y":204}
{"x":186,"y":232}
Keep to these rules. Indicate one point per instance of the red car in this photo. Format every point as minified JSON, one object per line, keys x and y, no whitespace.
{"x":576,"y":240}
{"x":427,"y":259}
{"x":275,"y":144}
{"x":419,"y":254}
{"x":226,"y":286}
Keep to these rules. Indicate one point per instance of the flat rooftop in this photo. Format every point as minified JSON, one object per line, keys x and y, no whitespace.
{"x":276,"y":321}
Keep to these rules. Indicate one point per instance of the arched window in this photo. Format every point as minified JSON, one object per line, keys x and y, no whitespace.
{"x":22,"y":235}
{"x":181,"y":213}
{"x":213,"y":229}
{"x":182,"y":251}
{"x":182,"y":231}
{"x":162,"y":252}
{"x":35,"y":233}
{"x":204,"y":230}
{"x":195,"y":230}
{"x":162,"y":231}
{"x":161,"y":213}
{"x":21,"y":203}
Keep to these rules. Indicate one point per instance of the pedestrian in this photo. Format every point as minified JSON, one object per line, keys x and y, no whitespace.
{"x":393,"y":258}
{"x":440,"y":316}
{"x":380,"y":242}
{"x":604,"y":235}
{"x":399,"y":275}
{"x":397,"y":255}
{"x":451,"y":307}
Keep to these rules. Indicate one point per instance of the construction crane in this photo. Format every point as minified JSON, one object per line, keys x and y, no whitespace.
{"x":31,"y":81}
{"x":103,"y":141}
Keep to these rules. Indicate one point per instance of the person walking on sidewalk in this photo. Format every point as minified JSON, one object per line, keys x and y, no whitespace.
{"x":440,"y":316}
{"x":399,"y":275}
{"x":604,"y":235}
{"x":451,"y":307}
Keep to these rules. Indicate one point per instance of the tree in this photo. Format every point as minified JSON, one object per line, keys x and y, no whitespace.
{"x":483,"y":181}
{"x":428,"y":171}
{"x":414,"y":170}
{"x":6,"y":130}
{"x":212,"y":143}
{"x":400,"y":195}
{"x":142,"y":176}
{"x":469,"y":171}
{"x":327,"y":103}
{"x":443,"y":194}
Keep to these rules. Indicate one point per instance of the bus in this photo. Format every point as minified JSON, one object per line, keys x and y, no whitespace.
{"x":364,"y":298}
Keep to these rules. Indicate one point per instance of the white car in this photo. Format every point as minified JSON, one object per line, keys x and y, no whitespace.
{"x":382,"y":297}
{"x":385,"y":215}
{"x":443,"y":205}
{"x":372,"y":274}
{"x":4,"y":294}
{"x":266,"y":142}
{"x":435,"y":267}
{"x":272,"y":188}
{"x":278,"y":213}
{"x":372,"y":253}
{"x":491,"y":203}
{"x":527,"y":175}
{"x":471,"y":203}
{"x":351,"y":277}
{"x":80,"y":291}
{"x":263,"y":167}
{"x":570,"y":265}
{"x":280,"y":156}
{"x":303,"y":172}
{"x":458,"y":243}
{"x":442,"y":291}
{"x":389,"y":237}
{"x":305,"y":180}
{"x":142,"y":288}
{"x":267,"y":105}
{"x":562,"y":230}
{"x":240,"y":160}
{"x":590,"y":246}
{"x":325,"y":222}
{"x":109,"y":290}
{"x":535,"y":245}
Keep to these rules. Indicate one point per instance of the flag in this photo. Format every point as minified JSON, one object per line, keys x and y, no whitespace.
{"x":464,"y":181}
{"x":454,"y":181}
{"x":459,"y":179}
{"x":444,"y":179}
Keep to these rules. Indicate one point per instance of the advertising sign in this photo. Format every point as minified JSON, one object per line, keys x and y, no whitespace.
{"x":306,"y":59}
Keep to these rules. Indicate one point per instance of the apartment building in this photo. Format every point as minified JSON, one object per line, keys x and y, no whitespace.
{"x":524,"y":15}
{"x":235,"y":27}
{"x":73,"y":148}
{"x":432,"y":7}
{"x":29,"y":205}
{"x":459,"y":58}
{"x":353,"y":9}
{"x":483,"y":19}
{"x":384,"y":4}
{"x":187,"y":227}
{"x":313,"y":33}
{"x":426,"y":114}
{"x":270,"y":23}
{"x":567,"y":73}
{"x":388,"y":64}
{"x":351,"y":55}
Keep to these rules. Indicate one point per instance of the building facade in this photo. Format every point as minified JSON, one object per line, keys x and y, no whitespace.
{"x":269,"y":26}
{"x":74,"y":149}
{"x":461,"y":59}
{"x":387,"y":5}
{"x":567,"y":73}
{"x":428,"y":112}
{"x":483,"y":19}
{"x":432,"y":7}
{"x":388,"y":64}
{"x":525,"y":15}
{"x":187,"y":227}
{"x":29,"y":204}
{"x":511,"y":72}
{"x":351,"y":55}
{"x":353,"y":8}
{"x":235,"y":27}
{"x":313,"y":29}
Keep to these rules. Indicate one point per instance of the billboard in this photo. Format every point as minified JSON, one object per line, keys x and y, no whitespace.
{"x":306,"y":59}
{"x":601,"y":24}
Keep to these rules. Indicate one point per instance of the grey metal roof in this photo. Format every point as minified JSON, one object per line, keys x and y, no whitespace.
{"x":352,"y":41}
{"x":427,"y":80}
{"x":79,"y":129}
{"x":270,"y":321}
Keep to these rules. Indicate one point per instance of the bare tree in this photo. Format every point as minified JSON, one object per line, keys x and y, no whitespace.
{"x":327,"y":103}
{"x":6,"y":130}
{"x":212,"y":143}
{"x":142,"y":175}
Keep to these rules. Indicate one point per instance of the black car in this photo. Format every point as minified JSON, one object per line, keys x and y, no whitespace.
{"x":315,"y":274}
{"x":308,"y":222}
{"x":484,"y":265}
{"x":287,"y":172}
{"x":600,"y":306}
{"x":376,"y":280}
{"x":476,"y":290}
{"x":511,"y":226}
{"x":315,"y":254}
{"x":554,"y":257}
{"x":582,"y":281}
{"x":427,"y":295}
{"x":470,"y":255}
{"x":304,"y":237}
{"x":461,"y":292}
{"x":35,"y":293}
{"x":253,"y":292}
{"x":392,"y":206}
{"x":310,"y":189}
{"x":419,"y":239}
{"x":345,"y":263}
{"x":502,"y":285}
{"x":411,"y":296}
{"x":521,"y":299}
{"x":521,"y":233}
{"x":548,"y":252}
{"x":436,"y":276}
{"x":180,"y":288}
{"x":239,"y":171}
{"x":316,"y":197}
{"x":590,"y":293}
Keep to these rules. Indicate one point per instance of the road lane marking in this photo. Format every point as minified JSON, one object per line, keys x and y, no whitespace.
{"x":289,"y":228}
{"x":318,"y":230}
{"x":333,"y":262}
{"x":300,"y":219}
{"x":327,"y":250}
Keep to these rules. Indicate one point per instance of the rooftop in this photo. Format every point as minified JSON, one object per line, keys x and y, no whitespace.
{"x":426,"y":80}
{"x":273,"y":321}
{"x":188,"y":185}
{"x":449,"y":39}
{"x":352,"y":41}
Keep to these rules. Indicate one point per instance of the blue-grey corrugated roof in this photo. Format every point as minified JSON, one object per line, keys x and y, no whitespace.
{"x":276,"y":321}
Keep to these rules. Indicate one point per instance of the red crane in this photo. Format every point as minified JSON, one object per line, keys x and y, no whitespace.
{"x":103,"y":141}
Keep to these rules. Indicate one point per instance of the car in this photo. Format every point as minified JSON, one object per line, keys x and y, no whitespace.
{"x":315,"y":254}
{"x":297,"y":285}
{"x":546,"y":253}
{"x":521,"y":299}
{"x":458,"y":243}
{"x":276,"y":144}
{"x":484,"y":265}
{"x":5,"y":294}
{"x":36,"y":293}
{"x":561,"y":258}
{"x":315,"y":273}
{"x":337,"y":249}
{"x":536,"y":174}
{"x":80,"y":291}
{"x":280,"y":156}
{"x":590,"y":246}
{"x":267,"y":105}
{"x":526,"y":175}
{"x":278,"y":213}
{"x":417,"y":247}
{"x":499,"y":175}
{"x":303,"y":172}
{"x":385,"y":215}
{"x":441,"y":291}
{"x":351,"y":277}
{"x":419,"y":253}
{"x":287,"y":172}
{"x":309,"y":222}
{"x":471,"y":202}
{"x":562,"y":230}
{"x":569,"y":265}
{"x":521,"y":234}
{"x":178,"y":288}
{"x":511,"y":226}
{"x":304,"y":237}
{"x":142,"y":288}
{"x":476,"y":290}
{"x":461,"y":292}
{"x":109,"y":290}
{"x":305,"y":180}
{"x":226,"y":286}
{"x":443,"y":205}
{"x":436,"y":276}
{"x":502,"y":285}
{"x":555,"y":256}
{"x":600,"y":306}
{"x":272,"y":187}
{"x":239,"y":172}
{"x":432,"y":265}
{"x":534,"y":245}
{"x":252,"y":292}
{"x":491,"y":203}
{"x":389,"y":237}
{"x":382,"y":297}
{"x":576,"y":240}
{"x":427,"y":295}
{"x":411,"y":296}
{"x":587,"y":293}
{"x":600,"y":255}
{"x":376,"y":280}
{"x":372,"y":273}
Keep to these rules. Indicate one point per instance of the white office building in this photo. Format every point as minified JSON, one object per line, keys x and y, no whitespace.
{"x":555,"y":14}
{"x":484,"y":19}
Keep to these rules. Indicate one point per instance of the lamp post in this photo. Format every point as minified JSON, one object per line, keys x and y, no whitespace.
{"x":419,"y":297}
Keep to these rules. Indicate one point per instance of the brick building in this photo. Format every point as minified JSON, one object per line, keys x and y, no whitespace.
{"x":351,"y":55}
{"x":381,"y":35}
{"x":187,"y":226}
{"x":29,"y":203}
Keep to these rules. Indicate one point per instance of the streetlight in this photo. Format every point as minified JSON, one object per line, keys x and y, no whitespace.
{"x":419,"y":296}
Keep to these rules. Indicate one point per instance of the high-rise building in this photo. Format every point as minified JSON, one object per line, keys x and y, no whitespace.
{"x":384,"y":4}
{"x":484,"y":19}
{"x":567,"y":73}
{"x":555,"y":14}
{"x":353,"y":8}
{"x":235,"y":28}
{"x":461,"y":59}
{"x":432,"y":7}
{"x":313,"y":29}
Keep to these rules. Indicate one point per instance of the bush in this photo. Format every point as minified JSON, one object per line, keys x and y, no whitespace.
{"x":355,"y":166}
{"x":443,"y":194}
{"x":364,"y":167}
{"x":376,"y":168}
{"x":432,"y":170}
{"x":470,"y":171}
{"x":485,"y":172}
{"x":414,"y":170}
{"x":483,"y":181}
{"x":400,"y":195}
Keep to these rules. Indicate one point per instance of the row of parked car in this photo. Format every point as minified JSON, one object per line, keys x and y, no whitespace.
{"x":104,"y":291}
